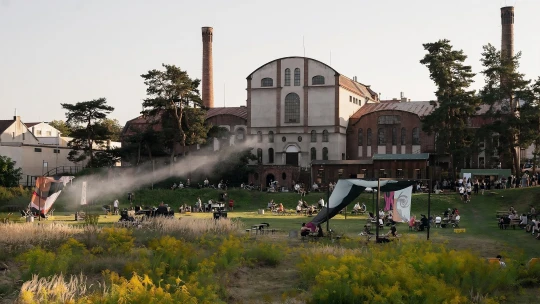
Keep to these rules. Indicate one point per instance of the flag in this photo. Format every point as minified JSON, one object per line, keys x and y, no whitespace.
{"x":47,"y":191}
{"x":402,"y":205}
{"x":83,"y":194}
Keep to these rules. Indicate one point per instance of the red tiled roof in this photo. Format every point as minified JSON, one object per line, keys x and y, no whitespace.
{"x":357,"y":87}
{"x":235,"y":111}
{"x":420,"y":108}
{"x":4,"y":124}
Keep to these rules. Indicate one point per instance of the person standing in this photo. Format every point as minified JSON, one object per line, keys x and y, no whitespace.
{"x":115,"y":206}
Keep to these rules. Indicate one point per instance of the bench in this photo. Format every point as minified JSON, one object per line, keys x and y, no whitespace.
{"x":513,"y":223}
{"x":501,"y":213}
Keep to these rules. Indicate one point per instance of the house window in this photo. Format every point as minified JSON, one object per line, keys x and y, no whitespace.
{"x":350,"y":99}
{"x":325,"y":153}
{"x":240,"y":134}
{"x":403,"y":136}
{"x":481,"y":162}
{"x":283,"y":176}
{"x":394,"y":136}
{"x":313,"y":136}
{"x":37,"y":149}
{"x":267,"y":82}
{"x":259,"y":136}
{"x":381,"y":137}
{"x":297,"y":77}
{"x":271,"y":136}
{"x":49,"y":133}
{"x":325,"y":136}
{"x":416,"y":136}
{"x":259,"y":156}
{"x":299,"y":138}
{"x":369,"y":137}
{"x":284,"y":139}
{"x":292,"y":108}
{"x":23,"y":136}
{"x":271,"y":156}
{"x":342,"y":156}
{"x":313,"y":154}
{"x":38,"y":132}
{"x":57,"y":151}
{"x":287,"y":77}
{"x":317,"y":80}
{"x":360,"y":137}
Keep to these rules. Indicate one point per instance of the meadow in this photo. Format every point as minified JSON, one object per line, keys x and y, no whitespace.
{"x":195,"y":259}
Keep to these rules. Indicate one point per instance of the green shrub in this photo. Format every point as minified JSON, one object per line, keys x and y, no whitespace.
{"x":264,"y":254}
{"x":91,"y":219}
{"x":116,"y":240}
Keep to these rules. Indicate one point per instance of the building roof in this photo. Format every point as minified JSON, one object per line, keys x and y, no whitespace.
{"x":420,"y":108}
{"x":357,"y":87}
{"x":235,"y":111}
{"x":416,"y":156}
{"x":342,"y":162}
{"x":249,"y":76}
{"x":4,"y":124}
{"x":31,"y":124}
{"x":487,"y":172}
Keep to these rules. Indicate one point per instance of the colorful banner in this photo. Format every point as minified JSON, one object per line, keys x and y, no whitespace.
{"x":389,"y":201}
{"x":47,"y":191}
{"x":402,"y":205}
{"x":83,"y":194}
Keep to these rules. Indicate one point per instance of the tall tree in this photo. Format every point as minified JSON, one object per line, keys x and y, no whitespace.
{"x":9,"y":174}
{"x":173,"y":94}
{"x":505,"y":89}
{"x":456,"y":103}
{"x":84,"y":118}
{"x":114,"y":128}
{"x":529,"y":115}
{"x":61,"y":126}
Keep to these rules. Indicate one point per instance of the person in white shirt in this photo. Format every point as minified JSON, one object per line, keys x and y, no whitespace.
{"x":356,"y":208}
{"x":299,"y":208}
{"x":523,"y":220}
{"x":364,"y":208}
{"x":503,"y":264}
{"x":315,"y":187}
{"x":321,"y":203}
{"x":115,"y":205}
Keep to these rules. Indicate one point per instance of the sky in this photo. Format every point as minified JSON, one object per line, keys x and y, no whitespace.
{"x":68,"y":51}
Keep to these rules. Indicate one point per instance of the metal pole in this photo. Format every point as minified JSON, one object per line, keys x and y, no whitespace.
{"x":39,"y":200}
{"x":429,"y":201}
{"x":327,"y":209}
{"x":373,"y":200}
{"x":376,"y":210}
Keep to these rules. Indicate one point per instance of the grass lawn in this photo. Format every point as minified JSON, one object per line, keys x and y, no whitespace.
{"x":478,"y":217}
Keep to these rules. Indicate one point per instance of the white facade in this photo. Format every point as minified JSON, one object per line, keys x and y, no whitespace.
{"x":295,"y":96}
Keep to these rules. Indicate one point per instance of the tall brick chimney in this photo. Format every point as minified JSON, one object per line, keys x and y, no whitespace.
{"x":207,"y":68}
{"x":507,"y":37}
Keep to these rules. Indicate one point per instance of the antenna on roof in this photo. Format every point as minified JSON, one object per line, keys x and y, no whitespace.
{"x":304,"y":45}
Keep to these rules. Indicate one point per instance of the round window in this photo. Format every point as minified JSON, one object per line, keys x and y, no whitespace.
{"x":256,"y":176}
{"x":283,"y":176}
{"x":299,"y":138}
{"x":284,"y":139}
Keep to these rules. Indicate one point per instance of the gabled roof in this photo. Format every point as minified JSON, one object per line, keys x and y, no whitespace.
{"x":235,"y":111}
{"x":31,"y":124}
{"x":420,"y":108}
{"x":4,"y":124}
{"x":357,"y":87}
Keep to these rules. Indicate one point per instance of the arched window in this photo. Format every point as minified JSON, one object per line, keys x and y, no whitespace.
{"x":287,"y":77}
{"x":317,"y":80}
{"x":259,"y":136}
{"x":416,"y":136}
{"x":267,"y":82}
{"x":313,"y":154}
{"x":313,"y":136}
{"x":381,"y":137}
{"x":360,"y":137}
{"x":292,"y":108}
{"x":270,"y":136}
{"x":394,"y":136}
{"x":271,"y":156}
{"x":259,"y":156}
{"x":297,"y":77}
{"x":325,"y":136}
{"x":369,"y":137}
{"x":403,"y":136}
{"x":325,"y":153}
{"x":240,"y":134}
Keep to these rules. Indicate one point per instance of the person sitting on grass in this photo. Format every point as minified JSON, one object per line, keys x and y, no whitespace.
{"x":366,"y":231}
{"x":356,"y":208}
{"x":392,"y":232}
{"x":299,"y":207}
{"x":280,"y":209}
{"x":503,"y":264}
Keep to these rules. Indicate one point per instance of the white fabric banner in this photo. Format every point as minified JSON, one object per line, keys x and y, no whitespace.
{"x":83,"y":194}
{"x":402,"y":203}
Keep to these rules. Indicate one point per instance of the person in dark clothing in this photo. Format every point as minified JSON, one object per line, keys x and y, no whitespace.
{"x":319,"y":231}
{"x":424,"y":223}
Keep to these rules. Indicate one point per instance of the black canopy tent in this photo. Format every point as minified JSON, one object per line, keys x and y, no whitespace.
{"x":347,"y":190}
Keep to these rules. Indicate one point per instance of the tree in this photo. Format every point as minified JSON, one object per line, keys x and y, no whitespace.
{"x":529,"y":114}
{"x":113,"y":127}
{"x":61,"y":126}
{"x":455,"y":103}
{"x":175,"y":96}
{"x":9,"y":174}
{"x":233,"y":167}
{"x":505,"y":89}
{"x":84,"y":118}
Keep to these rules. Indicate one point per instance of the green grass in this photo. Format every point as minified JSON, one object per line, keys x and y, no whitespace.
{"x":478,"y":217}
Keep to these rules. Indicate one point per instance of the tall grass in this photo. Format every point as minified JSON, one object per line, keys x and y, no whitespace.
{"x":193,"y":227}
{"x":48,"y":235}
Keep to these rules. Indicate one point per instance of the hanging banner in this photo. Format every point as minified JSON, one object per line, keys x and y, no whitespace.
{"x":402,"y":205}
{"x":46,"y":192}
{"x":83,"y":194}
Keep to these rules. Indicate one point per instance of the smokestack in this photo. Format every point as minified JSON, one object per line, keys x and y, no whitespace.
{"x":507,"y":37}
{"x":207,"y":68}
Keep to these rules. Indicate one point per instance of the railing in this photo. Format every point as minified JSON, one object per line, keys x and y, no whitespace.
{"x":63,"y":170}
